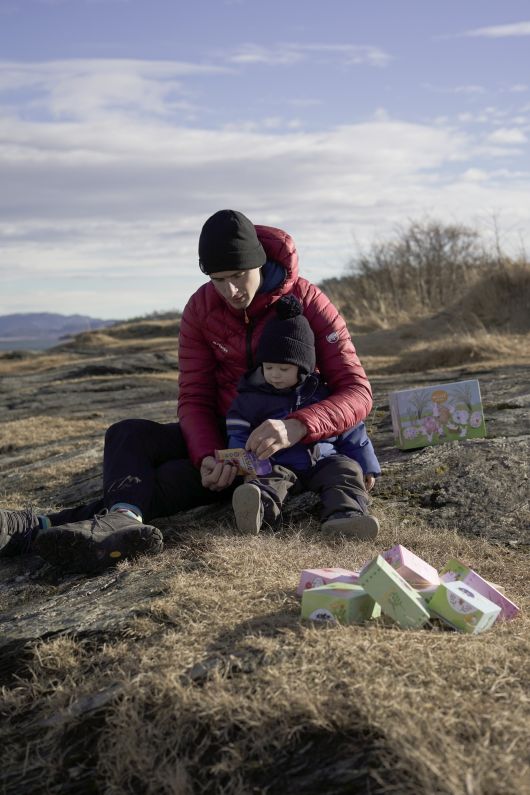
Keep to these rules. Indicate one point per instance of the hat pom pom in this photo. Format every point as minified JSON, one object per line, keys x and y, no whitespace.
{"x":288,"y":306}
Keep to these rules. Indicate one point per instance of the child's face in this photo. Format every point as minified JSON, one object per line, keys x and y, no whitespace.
{"x":280,"y":376}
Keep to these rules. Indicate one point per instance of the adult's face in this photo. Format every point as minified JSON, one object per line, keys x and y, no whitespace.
{"x":238,"y":288}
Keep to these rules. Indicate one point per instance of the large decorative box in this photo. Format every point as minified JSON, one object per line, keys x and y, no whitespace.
{"x":463,"y":608}
{"x":397,"y":598}
{"x":339,"y":602}
{"x":416,"y":571}
{"x":456,"y":571}
{"x":435,"y":414}
{"x":313,"y":578}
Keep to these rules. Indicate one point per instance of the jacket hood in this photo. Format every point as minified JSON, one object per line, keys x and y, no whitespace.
{"x":282,"y":257}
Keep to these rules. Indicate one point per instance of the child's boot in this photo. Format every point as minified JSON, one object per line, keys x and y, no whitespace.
{"x":248,"y":508}
{"x":351,"y":523}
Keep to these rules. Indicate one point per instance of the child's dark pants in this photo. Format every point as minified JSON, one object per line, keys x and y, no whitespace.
{"x":338,"y":480}
{"x":145,"y":464}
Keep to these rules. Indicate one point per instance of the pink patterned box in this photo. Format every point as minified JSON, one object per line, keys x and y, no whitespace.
{"x":416,"y":571}
{"x":454,"y":570}
{"x":313,"y":578}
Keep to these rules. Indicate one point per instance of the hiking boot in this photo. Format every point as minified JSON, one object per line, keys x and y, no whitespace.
{"x":248,"y":508}
{"x":351,"y":523}
{"x":16,"y":531}
{"x":98,"y":543}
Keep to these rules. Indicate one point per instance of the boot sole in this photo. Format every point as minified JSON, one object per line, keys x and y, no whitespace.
{"x":246,"y":503}
{"x":363,"y":527}
{"x":75,"y":552}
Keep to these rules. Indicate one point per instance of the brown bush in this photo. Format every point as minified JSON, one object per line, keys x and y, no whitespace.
{"x":425,"y":269}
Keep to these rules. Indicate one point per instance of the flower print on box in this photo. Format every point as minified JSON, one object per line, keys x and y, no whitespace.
{"x":437,"y":414}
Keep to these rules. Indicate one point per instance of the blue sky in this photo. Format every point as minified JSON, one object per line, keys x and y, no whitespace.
{"x":125,"y":123}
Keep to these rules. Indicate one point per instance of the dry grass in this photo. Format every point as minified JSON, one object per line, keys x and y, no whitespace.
{"x":458,"y":349}
{"x":218,"y":686}
{"x":221,"y":688}
{"x":43,"y":430}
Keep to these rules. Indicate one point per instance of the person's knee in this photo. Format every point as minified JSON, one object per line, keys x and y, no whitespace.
{"x":347,"y":465}
{"x":124,"y":429}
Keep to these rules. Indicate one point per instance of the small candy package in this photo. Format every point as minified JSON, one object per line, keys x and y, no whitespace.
{"x":339,"y":602}
{"x":314,"y":578}
{"x":463,"y":608}
{"x":456,"y":571}
{"x":247,"y":463}
{"x":416,"y":571}
{"x":397,"y":598}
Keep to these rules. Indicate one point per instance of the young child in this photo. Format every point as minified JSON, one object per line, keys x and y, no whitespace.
{"x":340,"y":468}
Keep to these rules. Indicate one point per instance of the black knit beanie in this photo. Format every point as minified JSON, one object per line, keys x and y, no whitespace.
{"x":288,"y":338}
{"x":228,"y":242}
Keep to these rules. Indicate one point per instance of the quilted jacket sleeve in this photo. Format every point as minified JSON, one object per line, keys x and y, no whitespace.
{"x":197,"y":403}
{"x":356,"y":444}
{"x":350,"y":399}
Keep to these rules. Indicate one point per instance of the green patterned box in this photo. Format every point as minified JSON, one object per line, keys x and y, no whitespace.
{"x":339,"y":602}
{"x":460,"y":606}
{"x":435,"y":414}
{"x":397,"y":598}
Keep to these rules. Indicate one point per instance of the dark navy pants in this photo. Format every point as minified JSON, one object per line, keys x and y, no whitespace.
{"x":338,"y":480}
{"x":146,"y":464}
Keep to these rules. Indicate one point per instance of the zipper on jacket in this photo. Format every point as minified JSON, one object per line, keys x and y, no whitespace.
{"x":249,"y":328}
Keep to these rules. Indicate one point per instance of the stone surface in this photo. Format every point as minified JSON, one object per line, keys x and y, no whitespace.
{"x":475,"y":487}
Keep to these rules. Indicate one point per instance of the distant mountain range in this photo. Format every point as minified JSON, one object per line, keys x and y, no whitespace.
{"x":47,"y":325}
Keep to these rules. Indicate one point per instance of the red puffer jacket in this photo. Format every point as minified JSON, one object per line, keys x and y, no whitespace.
{"x":216,"y":342}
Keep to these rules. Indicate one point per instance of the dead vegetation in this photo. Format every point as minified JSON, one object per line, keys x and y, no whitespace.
{"x":214,"y":685}
{"x":220,"y":688}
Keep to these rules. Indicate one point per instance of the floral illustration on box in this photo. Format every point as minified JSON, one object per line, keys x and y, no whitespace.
{"x":452,"y":576}
{"x":459,"y":604}
{"x":316,"y":582}
{"x":441,"y":415}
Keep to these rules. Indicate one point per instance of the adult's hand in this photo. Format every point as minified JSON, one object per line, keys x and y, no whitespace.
{"x":216,"y":475}
{"x":274,"y":435}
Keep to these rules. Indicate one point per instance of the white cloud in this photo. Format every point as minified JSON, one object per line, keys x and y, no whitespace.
{"x":116,"y":197}
{"x":84,"y":88}
{"x":291,"y":53}
{"x":506,"y":135}
{"x":501,"y":31}
{"x":471,"y":89}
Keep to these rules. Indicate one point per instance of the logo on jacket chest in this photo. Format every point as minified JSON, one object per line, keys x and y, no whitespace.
{"x":219,"y":345}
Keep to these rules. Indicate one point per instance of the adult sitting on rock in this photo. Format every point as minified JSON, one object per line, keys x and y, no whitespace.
{"x":152,"y":469}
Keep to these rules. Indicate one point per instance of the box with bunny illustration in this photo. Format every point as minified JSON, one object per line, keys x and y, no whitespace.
{"x":454,"y":571}
{"x":463,"y":608}
{"x":435,"y":414}
{"x":314,"y":578}
{"x":339,"y":602}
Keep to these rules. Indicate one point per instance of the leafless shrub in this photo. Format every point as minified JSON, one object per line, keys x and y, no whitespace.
{"x":424,"y":269}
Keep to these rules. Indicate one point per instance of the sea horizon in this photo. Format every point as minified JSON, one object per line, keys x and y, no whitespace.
{"x":28,"y":343}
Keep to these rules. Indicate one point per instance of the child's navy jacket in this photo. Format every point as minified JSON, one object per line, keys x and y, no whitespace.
{"x":258,"y":401}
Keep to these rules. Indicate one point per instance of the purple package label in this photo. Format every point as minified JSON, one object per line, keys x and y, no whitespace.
{"x":262,"y":466}
{"x":248,"y":463}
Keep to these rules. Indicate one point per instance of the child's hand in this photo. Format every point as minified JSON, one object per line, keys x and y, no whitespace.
{"x":369,"y":482}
